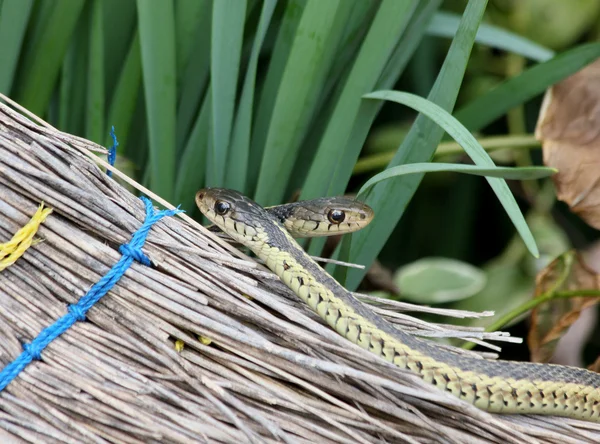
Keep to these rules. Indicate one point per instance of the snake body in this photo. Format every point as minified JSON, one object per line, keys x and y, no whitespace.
{"x":495,"y":386}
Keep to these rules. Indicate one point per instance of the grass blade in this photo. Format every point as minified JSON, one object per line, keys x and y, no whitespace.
{"x":14,"y":16}
{"x":45,"y":52}
{"x":189,"y":16}
{"x":472,"y":148}
{"x":484,"y":110}
{"x":193,"y":160}
{"x":511,"y":173}
{"x":194,"y":77}
{"x":94,"y":128}
{"x":157,"y":42}
{"x":120,"y":19}
{"x":391,"y":198}
{"x":317,"y":37}
{"x":369,"y":109}
{"x":226,"y":47}
{"x":279,"y":58}
{"x":237,"y":166}
{"x":388,"y":26}
{"x":125,"y":96}
{"x":445,"y":24}
{"x":73,"y":79}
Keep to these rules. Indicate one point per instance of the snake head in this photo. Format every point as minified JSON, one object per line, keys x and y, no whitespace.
{"x":230,"y":210}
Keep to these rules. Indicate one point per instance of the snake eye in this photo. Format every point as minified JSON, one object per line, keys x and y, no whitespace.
{"x":336,"y":216}
{"x":222,"y":208}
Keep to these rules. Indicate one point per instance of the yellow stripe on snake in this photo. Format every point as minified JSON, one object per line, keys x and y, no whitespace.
{"x":495,"y":386}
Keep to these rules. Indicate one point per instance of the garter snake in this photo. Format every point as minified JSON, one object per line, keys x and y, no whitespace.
{"x":495,"y":386}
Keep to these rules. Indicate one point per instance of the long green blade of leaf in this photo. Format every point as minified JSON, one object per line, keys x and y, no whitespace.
{"x":74,"y":78}
{"x":484,"y":110}
{"x":194,"y":78}
{"x":277,"y":64}
{"x":95,"y":92}
{"x":45,"y":53}
{"x":120,"y":20}
{"x":511,"y":173}
{"x":193,"y":159}
{"x":387,"y":28}
{"x":358,"y":24}
{"x":226,"y":48}
{"x":445,"y":24}
{"x":157,"y":42}
{"x":368,"y":109}
{"x":317,"y":37}
{"x":389,"y":199}
{"x":14,"y":15}
{"x":189,"y":15}
{"x":125,"y":96}
{"x":472,"y":148}
{"x":237,"y":167}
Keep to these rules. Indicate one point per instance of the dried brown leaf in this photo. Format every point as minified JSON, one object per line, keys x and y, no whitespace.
{"x":551,"y":320}
{"x":569,"y":129}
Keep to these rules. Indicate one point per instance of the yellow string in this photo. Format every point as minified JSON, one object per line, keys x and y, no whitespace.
{"x":23,"y":239}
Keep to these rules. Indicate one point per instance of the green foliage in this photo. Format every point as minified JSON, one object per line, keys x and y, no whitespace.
{"x":437,"y":280}
{"x":275,"y":98}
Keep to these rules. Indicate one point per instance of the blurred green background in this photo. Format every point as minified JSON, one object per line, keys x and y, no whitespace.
{"x":265,"y":96}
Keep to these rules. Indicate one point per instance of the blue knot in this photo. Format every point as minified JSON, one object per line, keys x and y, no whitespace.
{"x":33,"y":351}
{"x":134,"y":253}
{"x":77,"y":312}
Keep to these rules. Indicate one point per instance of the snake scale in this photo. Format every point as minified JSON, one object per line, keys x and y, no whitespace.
{"x":495,"y":386}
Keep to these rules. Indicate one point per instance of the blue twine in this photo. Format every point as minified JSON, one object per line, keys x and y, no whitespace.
{"x":112,"y":151}
{"x":77,"y":312}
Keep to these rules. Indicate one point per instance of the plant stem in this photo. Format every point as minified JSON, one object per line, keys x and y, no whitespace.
{"x":380,"y":160}
{"x":550,"y":295}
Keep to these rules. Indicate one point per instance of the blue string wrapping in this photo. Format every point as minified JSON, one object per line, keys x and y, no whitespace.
{"x":77,"y":312}
{"x":112,"y":151}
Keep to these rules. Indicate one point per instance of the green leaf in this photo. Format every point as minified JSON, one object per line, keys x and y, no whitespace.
{"x":368,"y":109}
{"x":517,"y":90}
{"x":389,"y":199}
{"x":120,"y":21}
{"x":472,"y":148}
{"x":317,"y":37}
{"x":157,"y":42}
{"x":14,"y":15}
{"x":511,"y":173}
{"x":125,"y":96}
{"x":189,"y":16}
{"x":193,"y":79}
{"x":445,"y":24}
{"x":439,"y":280}
{"x":74,"y":79}
{"x":95,"y":128}
{"x":270,"y":87}
{"x":44,"y":54}
{"x":388,"y":26}
{"x":193,"y":160}
{"x":226,"y":48}
{"x":237,"y":167}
